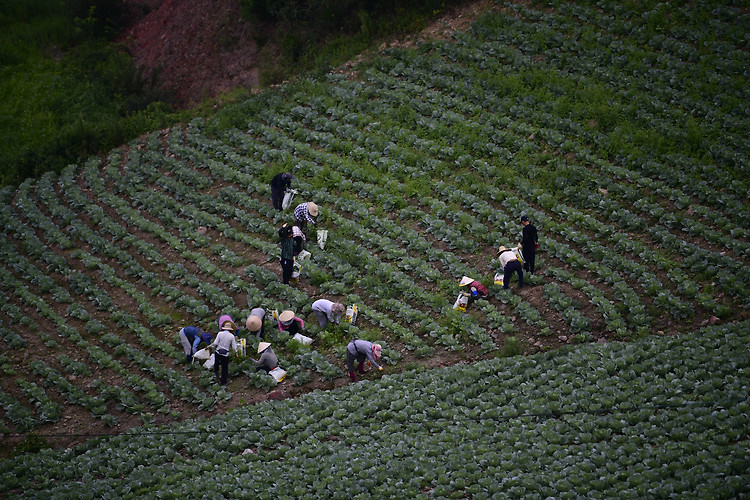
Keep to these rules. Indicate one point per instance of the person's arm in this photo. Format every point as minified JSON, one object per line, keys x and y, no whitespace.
{"x":301,"y":322}
{"x":196,"y":342}
{"x":372,"y":358}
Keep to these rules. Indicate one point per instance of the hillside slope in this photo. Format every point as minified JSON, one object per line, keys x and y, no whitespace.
{"x":422,"y":158}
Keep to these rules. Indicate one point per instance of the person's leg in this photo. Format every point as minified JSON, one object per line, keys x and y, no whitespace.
{"x":224,"y":369}
{"x":350,"y":365}
{"x":322,"y":319}
{"x":361,"y":362}
{"x":532,"y":261}
{"x":526,"y":258}
{"x":286,"y":270}
{"x":520,"y":276}
{"x":277,"y":196}
{"x":186,"y":346}
{"x":507,"y":273}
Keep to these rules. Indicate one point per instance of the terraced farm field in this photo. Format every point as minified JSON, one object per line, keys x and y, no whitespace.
{"x":621,"y":131}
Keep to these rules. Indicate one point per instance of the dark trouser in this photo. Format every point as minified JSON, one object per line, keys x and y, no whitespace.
{"x":510,"y":268}
{"x":529,"y":256}
{"x":287,"y":266}
{"x":223,"y":362}
{"x":277,"y":196}
{"x":360,"y":357}
{"x":322,"y":318}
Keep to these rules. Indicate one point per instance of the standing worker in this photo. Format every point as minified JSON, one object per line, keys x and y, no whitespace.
{"x":268,"y":360}
{"x":328,"y":311}
{"x":510,"y":264}
{"x":360,"y":350}
{"x":287,"y":253}
{"x":225,"y":341}
{"x":288,"y":322}
{"x":304,"y":213}
{"x":223,"y":319}
{"x":191,"y":337}
{"x":280,"y":183}
{"x":529,"y":244}
{"x":254,"y":322}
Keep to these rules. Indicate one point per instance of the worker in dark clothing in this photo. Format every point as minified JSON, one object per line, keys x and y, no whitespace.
{"x":529,"y":244}
{"x":287,"y":253}
{"x":280,"y":183}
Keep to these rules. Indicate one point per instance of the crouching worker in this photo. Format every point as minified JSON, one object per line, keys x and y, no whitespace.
{"x":268,"y":360}
{"x":474,"y":288}
{"x":254,"y":322}
{"x":191,"y":337}
{"x":328,"y":312}
{"x":360,"y":350}
{"x":288,"y":322}
{"x":225,"y":340}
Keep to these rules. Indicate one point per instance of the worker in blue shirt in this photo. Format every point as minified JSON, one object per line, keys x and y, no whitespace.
{"x":191,"y":337}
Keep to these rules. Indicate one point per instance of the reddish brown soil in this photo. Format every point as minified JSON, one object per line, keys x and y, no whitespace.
{"x":198,"y":48}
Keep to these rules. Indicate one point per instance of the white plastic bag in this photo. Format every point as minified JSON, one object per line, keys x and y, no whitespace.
{"x":203,"y":354}
{"x":461,"y":302}
{"x":278,"y":373}
{"x":288,"y":198}
{"x":322,"y":238}
{"x":302,"y":339}
{"x":499,"y":277}
{"x":351,"y":314}
{"x":210,"y":362}
{"x":304,"y":254}
{"x":296,"y":272}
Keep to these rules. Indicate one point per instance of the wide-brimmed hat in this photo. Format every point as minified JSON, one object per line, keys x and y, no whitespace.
{"x":501,"y":249}
{"x":338,"y":309}
{"x":253,"y":323}
{"x":286,"y":317}
{"x":466,"y":281}
{"x":263,"y":346}
{"x":312,"y":208}
{"x":228,"y":325}
{"x":377,"y":350}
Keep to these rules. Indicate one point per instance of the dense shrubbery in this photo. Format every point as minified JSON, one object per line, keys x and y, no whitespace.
{"x":68,"y":91}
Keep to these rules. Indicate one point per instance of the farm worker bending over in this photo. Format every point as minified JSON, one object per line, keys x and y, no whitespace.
{"x":529,"y":244}
{"x":191,"y":337}
{"x":328,"y":311}
{"x":254,"y":322}
{"x":475,"y":288}
{"x":290,"y":323}
{"x":287,"y":253}
{"x":223,"y":319}
{"x":224,"y":341}
{"x":299,"y":239}
{"x":305,"y":212}
{"x":361,"y":350}
{"x":508,"y":260}
{"x":280,"y":183}
{"x":268,"y":360}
